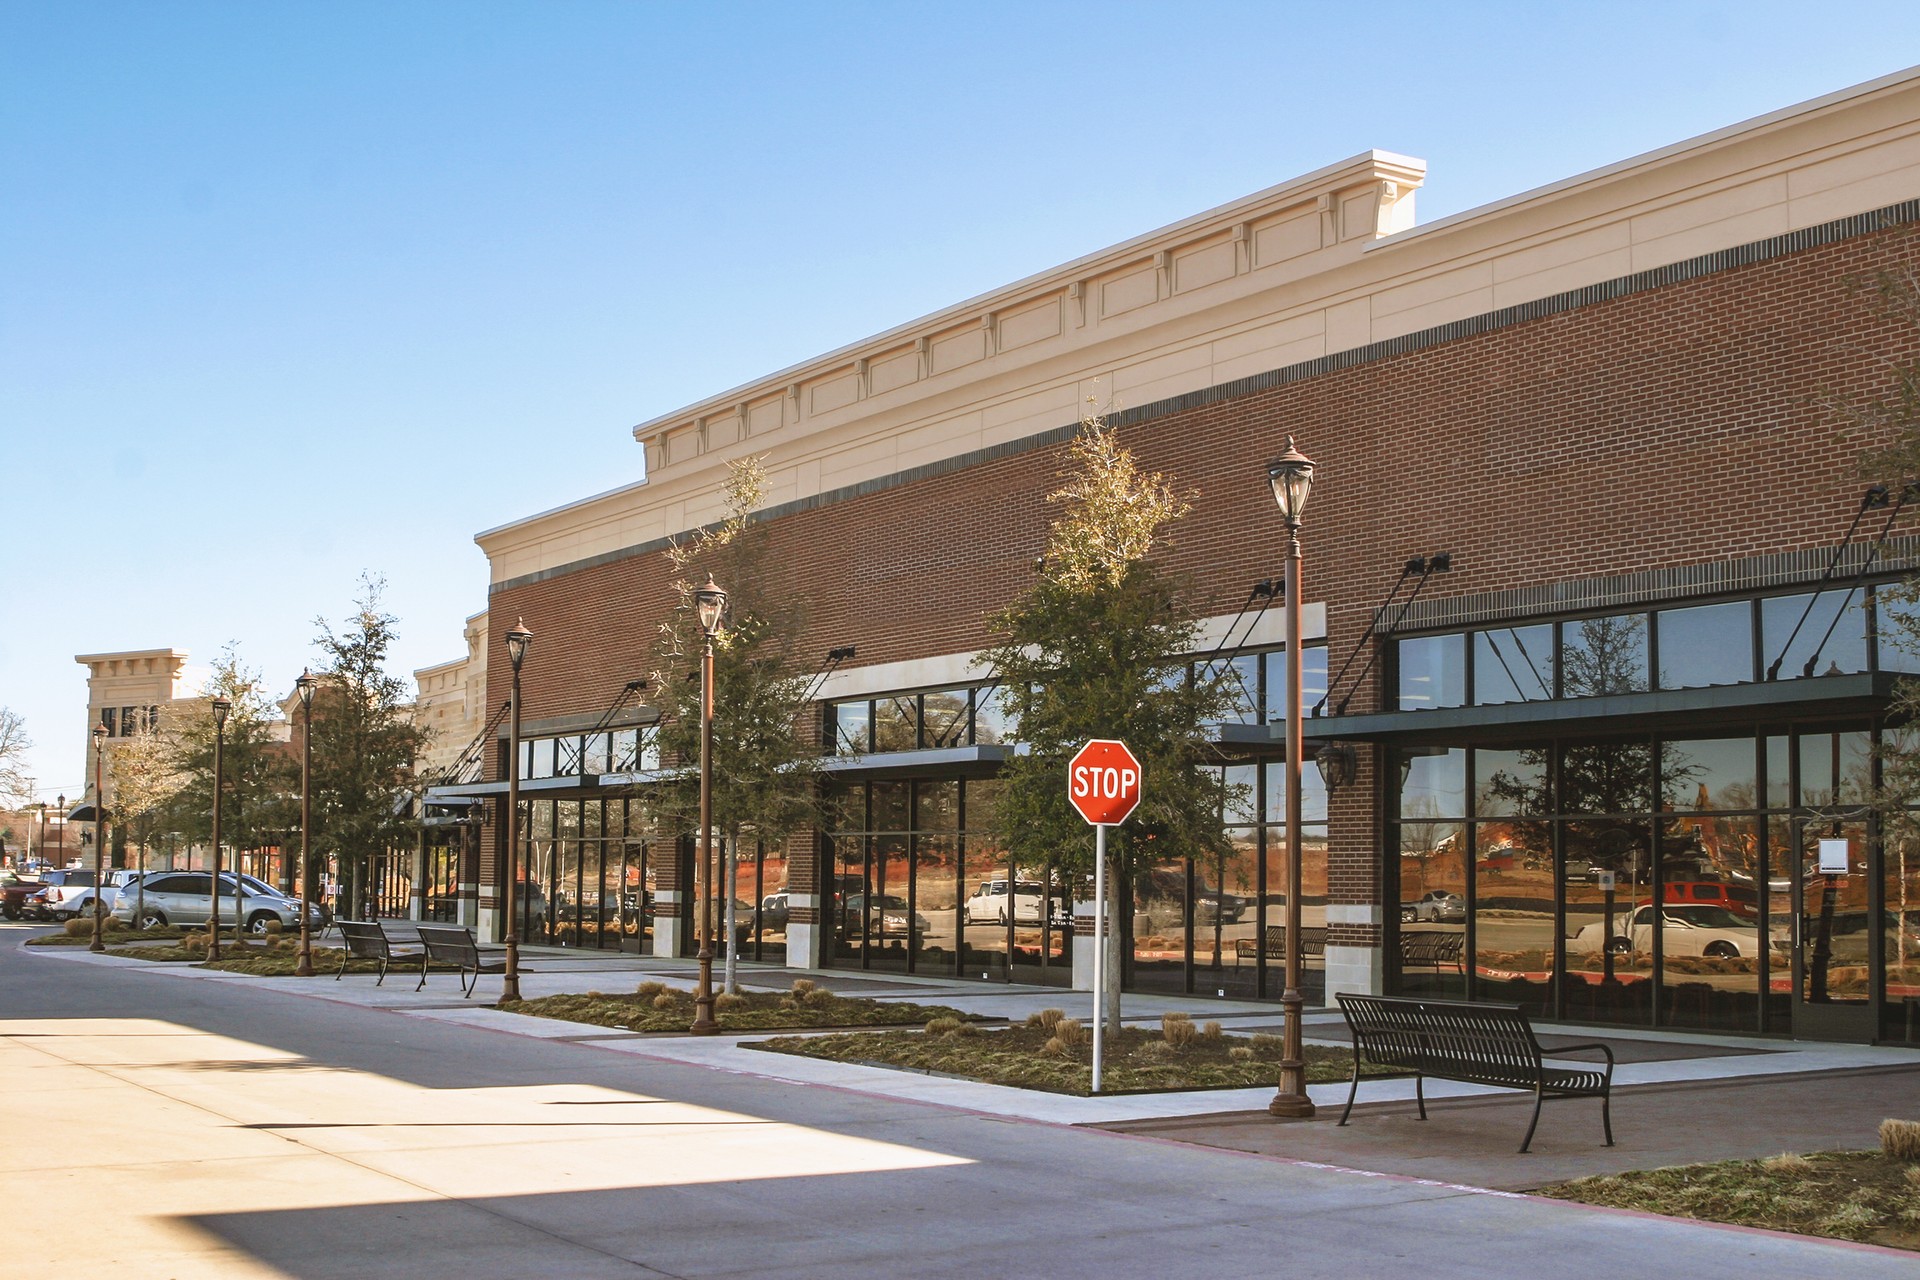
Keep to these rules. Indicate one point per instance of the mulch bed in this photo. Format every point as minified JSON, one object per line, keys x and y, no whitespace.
{"x":759,"y":1011}
{"x":1844,"y":1195}
{"x":1138,"y":1060}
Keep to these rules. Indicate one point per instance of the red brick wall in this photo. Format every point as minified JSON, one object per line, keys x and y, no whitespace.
{"x":1673,"y":426}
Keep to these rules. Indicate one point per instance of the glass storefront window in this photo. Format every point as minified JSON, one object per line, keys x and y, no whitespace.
{"x":1897,"y":628}
{"x":1435,"y":785}
{"x":1313,"y":794}
{"x":623,"y":751}
{"x":896,"y":723}
{"x":1842,"y":652}
{"x":1240,"y":794}
{"x":1433,"y":901}
{"x":992,"y":718}
{"x":598,"y":752}
{"x":1433,"y":672}
{"x":1835,"y":769}
{"x":1708,"y":645}
{"x":1313,"y":680}
{"x":1609,"y":921}
{"x":1513,"y":664}
{"x":1600,"y":656}
{"x":1510,"y":782}
{"x":1513,"y":903}
{"x":853,"y":728}
{"x":1706,"y":774}
{"x":945,"y":716}
{"x":936,"y":901}
{"x":1242,"y":678}
{"x":1607,"y":777}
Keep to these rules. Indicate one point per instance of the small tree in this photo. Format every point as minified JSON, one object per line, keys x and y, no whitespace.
{"x":365,"y":742}
{"x":765,"y":763}
{"x":255,"y":774}
{"x":16,"y":787}
{"x":145,"y":782}
{"x":1099,"y":647}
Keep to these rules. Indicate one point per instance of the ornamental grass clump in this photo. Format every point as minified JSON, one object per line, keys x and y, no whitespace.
{"x":664,"y":1000}
{"x":649,"y":989}
{"x":1071,"y":1032}
{"x":819,"y":997}
{"x":1045,"y":1020}
{"x":79,"y":926}
{"x":1264,"y":1043}
{"x":943,"y":1027}
{"x":1210,"y":1032}
{"x":728,"y":1000}
{"x":1240,"y":1053}
{"x":802,"y":987}
{"x":1900,"y":1139}
{"x":1177,"y":1029}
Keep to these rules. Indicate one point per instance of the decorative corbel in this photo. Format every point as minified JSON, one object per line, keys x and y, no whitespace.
{"x":1163,"y":273}
{"x":1329,"y":228}
{"x":990,"y":331}
{"x":1077,"y":294}
{"x":862,"y":377}
{"x":922,"y":357}
{"x":1242,"y":247}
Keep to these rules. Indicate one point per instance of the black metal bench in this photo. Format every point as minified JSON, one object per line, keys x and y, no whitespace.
{"x":367,"y":940}
{"x":454,"y":944}
{"x":1433,"y":949}
{"x":1487,"y":1044}
{"x":1313,"y":942}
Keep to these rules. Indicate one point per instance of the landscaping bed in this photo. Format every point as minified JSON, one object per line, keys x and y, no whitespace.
{"x":1055,"y":1054}
{"x":121,"y":937}
{"x":656,"y":1007}
{"x":1868,"y":1196}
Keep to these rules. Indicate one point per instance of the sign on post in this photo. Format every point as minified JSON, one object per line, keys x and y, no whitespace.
{"x":1103,"y":783}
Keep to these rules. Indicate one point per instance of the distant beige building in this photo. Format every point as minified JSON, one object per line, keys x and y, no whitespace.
{"x":451,"y":702}
{"x":127,"y":693}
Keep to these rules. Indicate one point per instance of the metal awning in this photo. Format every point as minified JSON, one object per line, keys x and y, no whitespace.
{"x":1719,"y":707}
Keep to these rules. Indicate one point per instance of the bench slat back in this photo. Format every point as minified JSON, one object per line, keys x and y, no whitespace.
{"x":451,"y":943}
{"x":1313,"y":940}
{"x":1431,"y":946}
{"x":1481,"y":1043}
{"x":363,"y":939}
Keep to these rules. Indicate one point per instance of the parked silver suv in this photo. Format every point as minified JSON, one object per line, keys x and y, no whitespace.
{"x":181,"y":897}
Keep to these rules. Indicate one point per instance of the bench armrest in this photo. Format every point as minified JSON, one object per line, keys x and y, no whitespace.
{"x":1577,"y":1048}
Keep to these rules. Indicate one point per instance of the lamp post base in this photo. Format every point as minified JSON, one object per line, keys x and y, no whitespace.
{"x":303,"y":967}
{"x":703,"y":1023}
{"x":98,"y":944}
{"x":510,"y":976}
{"x":1291,"y":1101}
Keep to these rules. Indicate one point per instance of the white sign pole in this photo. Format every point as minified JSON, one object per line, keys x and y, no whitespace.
{"x":1099,"y":950}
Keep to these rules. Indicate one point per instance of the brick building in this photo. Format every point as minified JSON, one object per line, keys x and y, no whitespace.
{"x":1609,"y":761}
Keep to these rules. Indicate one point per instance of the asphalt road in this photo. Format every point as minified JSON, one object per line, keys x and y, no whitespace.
{"x":160,"y":1127}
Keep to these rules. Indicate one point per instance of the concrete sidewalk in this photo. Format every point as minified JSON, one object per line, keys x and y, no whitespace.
{"x":1648,"y":1058}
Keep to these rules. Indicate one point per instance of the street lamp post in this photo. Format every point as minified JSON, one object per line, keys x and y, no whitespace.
{"x":1292,"y":479}
{"x":519,"y":640}
{"x":710,"y":603}
{"x":99,"y":840}
{"x":220,"y":709}
{"x":60,"y":842}
{"x":303,"y":967}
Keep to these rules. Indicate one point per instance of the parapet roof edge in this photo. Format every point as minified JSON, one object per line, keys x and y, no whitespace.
{"x":87,"y":659}
{"x":515,"y":523}
{"x":1364,"y":162}
{"x":1672,"y":150}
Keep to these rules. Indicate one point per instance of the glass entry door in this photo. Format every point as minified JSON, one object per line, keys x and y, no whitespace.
{"x":1832,"y":933}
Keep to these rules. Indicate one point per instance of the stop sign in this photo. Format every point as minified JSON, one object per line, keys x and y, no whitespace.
{"x":1103,"y":782}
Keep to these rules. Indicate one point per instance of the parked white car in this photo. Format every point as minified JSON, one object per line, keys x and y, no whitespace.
{"x":1685,"y":930}
{"x":988,"y":905}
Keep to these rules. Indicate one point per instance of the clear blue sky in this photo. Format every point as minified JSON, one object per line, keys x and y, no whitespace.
{"x":292,"y":291}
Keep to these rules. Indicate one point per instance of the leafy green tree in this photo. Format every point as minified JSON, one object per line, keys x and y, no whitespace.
{"x":255,"y":771}
{"x":765,"y":761}
{"x":365,"y":742}
{"x":1099,"y":647}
